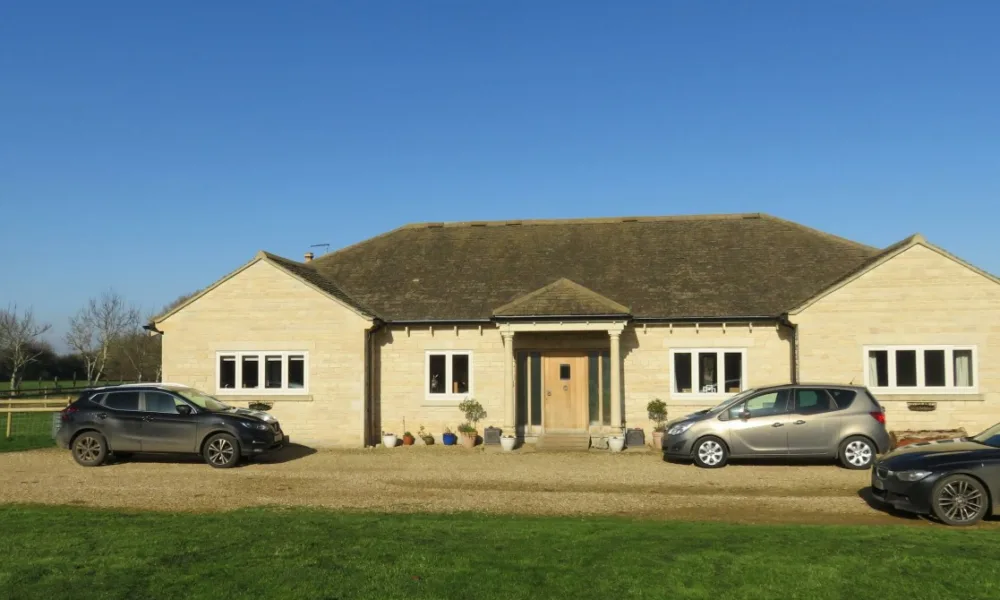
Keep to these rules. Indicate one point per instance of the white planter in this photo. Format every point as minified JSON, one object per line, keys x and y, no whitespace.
{"x":507,"y":443}
{"x":616,"y":443}
{"x":389,"y":440}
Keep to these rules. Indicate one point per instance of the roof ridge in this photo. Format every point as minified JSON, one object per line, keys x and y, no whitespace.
{"x":820,"y":232}
{"x":582,"y":220}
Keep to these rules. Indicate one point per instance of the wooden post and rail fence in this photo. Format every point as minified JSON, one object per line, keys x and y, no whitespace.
{"x":10,"y":406}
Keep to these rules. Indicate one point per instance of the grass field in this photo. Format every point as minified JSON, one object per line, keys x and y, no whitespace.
{"x":299,"y":553}
{"x":29,"y":431}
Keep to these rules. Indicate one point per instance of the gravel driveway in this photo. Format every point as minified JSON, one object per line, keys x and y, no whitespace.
{"x":438,"y":478}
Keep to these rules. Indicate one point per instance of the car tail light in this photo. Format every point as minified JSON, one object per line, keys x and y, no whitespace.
{"x":878,"y":416}
{"x":66,"y":412}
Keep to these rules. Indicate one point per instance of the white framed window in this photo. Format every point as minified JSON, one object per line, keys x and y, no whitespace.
{"x":921,"y":369}
{"x":262,"y":372}
{"x":448,"y":374}
{"x":708,"y":372}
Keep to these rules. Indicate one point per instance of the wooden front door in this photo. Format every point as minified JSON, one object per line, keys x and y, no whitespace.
{"x":565,"y":399}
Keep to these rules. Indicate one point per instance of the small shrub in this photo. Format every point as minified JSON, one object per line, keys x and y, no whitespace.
{"x":657,"y":410}
{"x":474,"y":413}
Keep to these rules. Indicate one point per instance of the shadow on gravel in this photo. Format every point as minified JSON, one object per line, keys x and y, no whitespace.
{"x":866,"y":494}
{"x":289,"y":453}
{"x":762,"y":462}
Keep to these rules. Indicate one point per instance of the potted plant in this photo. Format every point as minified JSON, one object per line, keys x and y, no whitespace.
{"x":616,"y":442}
{"x":448,"y":438}
{"x":408,"y":439}
{"x":508,"y":441}
{"x":427,"y":438}
{"x":389,"y":440}
{"x":657,"y":410}
{"x":474,"y":412}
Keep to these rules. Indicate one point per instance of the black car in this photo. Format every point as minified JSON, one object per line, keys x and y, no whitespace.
{"x":164,"y":418}
{"x":957,"y":480}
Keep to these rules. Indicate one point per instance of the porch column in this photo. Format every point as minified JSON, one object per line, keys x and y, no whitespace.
{"x":616,"y":385}
{"x":508,"y":383}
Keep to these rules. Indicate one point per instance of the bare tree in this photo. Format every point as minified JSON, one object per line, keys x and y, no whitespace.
{"x":98,"y":327}
{"x":19,"y":341}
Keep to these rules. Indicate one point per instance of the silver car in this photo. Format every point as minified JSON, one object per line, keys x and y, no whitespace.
{"x":836,"y":421}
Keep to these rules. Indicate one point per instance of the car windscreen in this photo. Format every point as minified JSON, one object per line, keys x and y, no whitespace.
{"x":990,"y":437}
{"x":203,"y":401}
{"x":730,"y":399}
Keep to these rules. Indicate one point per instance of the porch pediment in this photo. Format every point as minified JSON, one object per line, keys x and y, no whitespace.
{"x":562,"y":298}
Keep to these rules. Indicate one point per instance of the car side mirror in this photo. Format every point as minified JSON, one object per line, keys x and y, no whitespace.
{"x":745,"y":414}
{"x":183,"y":409}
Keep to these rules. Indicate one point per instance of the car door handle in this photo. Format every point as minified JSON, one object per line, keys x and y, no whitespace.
{"x":777,"y":424}
{"x":147,"y":419}
{"x":102,"y":415}
{"x":800,"y":422}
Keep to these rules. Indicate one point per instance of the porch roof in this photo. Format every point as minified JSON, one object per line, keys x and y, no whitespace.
{"x":562,"y":298}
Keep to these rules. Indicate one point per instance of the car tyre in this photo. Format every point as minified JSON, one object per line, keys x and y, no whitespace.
{"x":857,"y":452}
{"x":90,"y":449}
{"x":959,"y":500}
{"x":710,"y":453}
{"x":222,"y":451}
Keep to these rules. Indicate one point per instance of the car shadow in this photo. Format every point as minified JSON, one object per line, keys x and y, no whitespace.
{"x":772,"y":461}
{"x":288,"y":453}
{"x":866,"y":494}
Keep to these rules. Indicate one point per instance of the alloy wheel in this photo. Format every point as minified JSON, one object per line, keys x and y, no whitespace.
{"x":960,"y":501}
{"x":858,"y":453}
{"x":710,"y":452}
{"x":220,"y":451}
{"x":87,"y":448}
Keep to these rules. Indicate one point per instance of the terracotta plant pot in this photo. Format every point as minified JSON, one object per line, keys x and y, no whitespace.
{"x":469,"y":439}
{"x":428,"y":440}
{"x":657,"y":440}
{"x":408,"y":440}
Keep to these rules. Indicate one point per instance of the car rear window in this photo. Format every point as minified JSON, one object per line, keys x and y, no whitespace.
{"x":122,"y":400}
{"x":843,"y":398}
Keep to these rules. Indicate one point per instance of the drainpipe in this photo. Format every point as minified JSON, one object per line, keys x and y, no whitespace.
{"x":370,"y":381}
{"x":795,"y":345}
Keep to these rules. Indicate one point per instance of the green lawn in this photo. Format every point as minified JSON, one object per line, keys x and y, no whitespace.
{"x":297,"y":553}
{"x":28,"y":431}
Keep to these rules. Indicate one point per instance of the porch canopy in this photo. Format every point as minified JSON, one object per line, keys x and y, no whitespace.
{"x":560,"y":307}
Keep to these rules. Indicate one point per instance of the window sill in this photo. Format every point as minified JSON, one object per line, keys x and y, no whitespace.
{"x":922,"y":396}
{"x":445,"y":399}
{"x":701,"y":398}
{"x":264,"y":397}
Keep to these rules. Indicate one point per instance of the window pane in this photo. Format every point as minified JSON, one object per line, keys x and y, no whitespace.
{"x":251,"y":372}
{"x":811,"y":402}
{"x":906,"y":368}
{"x":160,"y":402}
{"x":536,"y":388}
{"x":765,"y":405}
{"x":934,"y":368}
{"x":606,"y":387}
{"x":843,"y":398}
{"x":272,"y":371}
{"x":437,"y":373}
{"x":227,"y":372}
{"x":297,"y":371}
{"x":682,"y":372}
{"x":460,"y":373}
{"x":963,"y":368}
{"x":122,"y":400}
{"x":594,"y":387}
{"x":521,"y":377}
{"x":734,"y":371}
{"x":878,"y":368}
{"x":708,"y":372}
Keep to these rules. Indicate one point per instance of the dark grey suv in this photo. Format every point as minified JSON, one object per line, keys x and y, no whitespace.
{"x":836,"y":421}
{"x":164,"y":418}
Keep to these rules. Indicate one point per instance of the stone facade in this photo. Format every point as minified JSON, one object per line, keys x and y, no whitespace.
{"x":920,"y":297}
{"x":262,"y":307}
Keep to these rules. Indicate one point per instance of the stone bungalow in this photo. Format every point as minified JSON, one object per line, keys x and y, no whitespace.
{"x":570,"y":327}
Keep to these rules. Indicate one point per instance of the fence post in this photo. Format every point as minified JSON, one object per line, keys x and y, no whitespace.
{"x":9,"y":408}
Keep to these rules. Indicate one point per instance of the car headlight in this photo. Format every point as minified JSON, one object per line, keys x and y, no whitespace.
{"x":257,"y":426}
{"x":912,"y":475}
{"x":679,"y":428}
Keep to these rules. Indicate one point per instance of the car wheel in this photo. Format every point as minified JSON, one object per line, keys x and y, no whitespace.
{"x":222,"y":451}
{"x":857,"y":453}
{"x":710,"y":453}
{"x":90,"y":449}
{"x":959,"y":500}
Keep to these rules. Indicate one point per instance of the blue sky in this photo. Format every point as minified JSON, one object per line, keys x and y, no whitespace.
{"x":154,"y":147}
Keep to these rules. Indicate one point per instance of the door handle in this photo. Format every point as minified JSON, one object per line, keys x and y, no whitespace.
{"x":102,"y":415}
{"x":147,"y":419}
{"x":800,"y":422}
{"x":777,"y":424}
